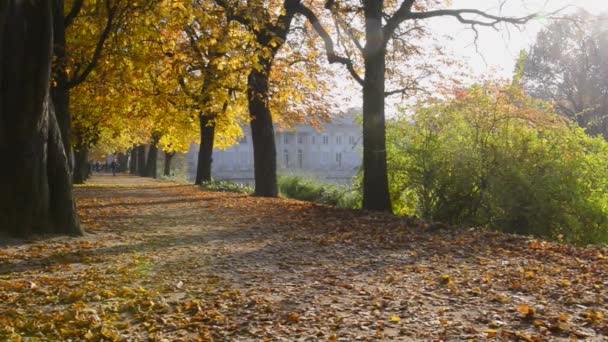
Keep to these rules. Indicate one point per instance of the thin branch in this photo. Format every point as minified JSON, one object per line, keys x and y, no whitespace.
{"x":232,"y":14}
{"x":78,"y":79}
{"x":74,"y":11}
{"x":397,"y":18}
{"x":404,"y":13}
{"x":332,"y":57}
{"x":489,"y":19}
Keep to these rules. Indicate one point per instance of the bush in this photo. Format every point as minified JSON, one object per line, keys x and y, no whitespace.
{"x":226,"y":186}
{"x":498,"y":158}
{"x":307,"y":189}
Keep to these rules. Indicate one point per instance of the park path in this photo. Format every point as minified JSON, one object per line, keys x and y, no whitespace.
{"x":169,"y":262}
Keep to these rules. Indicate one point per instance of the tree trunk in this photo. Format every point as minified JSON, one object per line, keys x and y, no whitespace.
{"x":141,"y":160}
{"x":81,"y":165}
{"x":375,"y":180}
{"x":152,"y":157}
{"x":262,"y":133}
{"x":36,"y":194}
{"x":123,"y":162}
{"x":168,"y":159}
{"x":63,"y":206}
{"x":60,"y":93}
{"x":133,"y":161}
{"x":205,"y":152}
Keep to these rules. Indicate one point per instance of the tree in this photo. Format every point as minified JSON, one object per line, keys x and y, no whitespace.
{"x":567,"y":66}
{"x":36,"y":194}
{"x":79,"y":68}
{"x":270,"y":33}
{"x":384,"y":27}
{"x":212,"y":65}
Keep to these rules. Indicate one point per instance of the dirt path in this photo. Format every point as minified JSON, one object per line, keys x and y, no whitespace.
{"x":168,"y":262}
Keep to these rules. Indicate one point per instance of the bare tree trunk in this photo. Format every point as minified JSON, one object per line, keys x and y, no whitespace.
{"x":63,"y":206}
{"x":36,"y":194}
{"x":375,"y":180}
{"x":81,"y":165}
{"x":262,"y":133}
{"x":133,"y":161}
{"x":205,"y":152}
{"x":168,"y":158}
{"x":60,"y":93}
{"x":123,"y":162}
{"x":141,"y":160}
{"x":152,"y":157}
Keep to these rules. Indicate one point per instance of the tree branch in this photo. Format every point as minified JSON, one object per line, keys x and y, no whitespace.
{"x":74,"y":11}
{"x":231,"y":13}
{"x":332,"y":57}
{"x":393,"y":22}
{"x":404,"y":13}
{"x":78,"y":79}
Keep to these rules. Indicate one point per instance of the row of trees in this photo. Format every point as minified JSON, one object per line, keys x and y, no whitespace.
{"x":118,"y":74}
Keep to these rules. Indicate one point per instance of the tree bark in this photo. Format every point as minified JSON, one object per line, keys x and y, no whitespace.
{"x":152,"y":157}
{"x":262,"y":132}
{"x":60,"y":93}
{"x":123,"y":162}
{"x":375,"y":181}
{"x":133,"y":161}
{"x":141,"y":160}
{"x":36,"y":194}
{"x":168,"y":158}
{"x":205,"y":152}
{"x":81,"y":165}
{"x":63,"y":206}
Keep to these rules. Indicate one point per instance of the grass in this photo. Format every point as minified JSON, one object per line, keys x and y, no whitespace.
{"x":300,"y":188}
{"x":226,"y":186}
{"x":312,"y":190}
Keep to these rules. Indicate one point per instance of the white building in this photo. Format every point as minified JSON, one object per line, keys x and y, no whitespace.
{"x":332,"y":154}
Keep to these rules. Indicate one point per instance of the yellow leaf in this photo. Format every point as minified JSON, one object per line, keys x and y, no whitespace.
{"x":526,"y":311}
{"x":395,"y":319}
{"x":294,"y":317}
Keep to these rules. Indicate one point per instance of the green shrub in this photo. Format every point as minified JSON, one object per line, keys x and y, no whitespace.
{"x":498,"y":158}
{"x":308,"y":189}
{"x":226,"y":186}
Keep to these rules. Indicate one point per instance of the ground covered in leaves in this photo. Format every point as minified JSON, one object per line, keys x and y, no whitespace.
{"x":169,"y":262}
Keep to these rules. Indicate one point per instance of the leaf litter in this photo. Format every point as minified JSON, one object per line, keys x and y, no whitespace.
{"x":168,"y":262}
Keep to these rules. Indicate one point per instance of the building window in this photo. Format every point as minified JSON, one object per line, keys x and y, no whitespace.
{"x":338,"y":140}
{"x":244,"y":140}
{"x":285,"y":139}
{"x":300,"y":158}
{"x":325,"y":140}
{"x":300,"y":139}
{"x":286,"y":158}
{"x":339,"y":159}
{"x":313,"y":139}
{"x":351,"y":140}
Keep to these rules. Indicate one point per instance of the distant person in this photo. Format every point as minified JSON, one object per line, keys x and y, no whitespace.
{"x":97,"y":166}
{"x":113,"y":166}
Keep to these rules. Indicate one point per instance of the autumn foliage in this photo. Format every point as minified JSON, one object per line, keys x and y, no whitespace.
{"x":257,"y":268}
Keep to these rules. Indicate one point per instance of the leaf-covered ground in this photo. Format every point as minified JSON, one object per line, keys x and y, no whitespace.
{"x":168,"y":262}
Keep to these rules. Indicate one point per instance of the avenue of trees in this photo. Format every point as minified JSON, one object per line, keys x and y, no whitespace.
{"x":133,"y":78}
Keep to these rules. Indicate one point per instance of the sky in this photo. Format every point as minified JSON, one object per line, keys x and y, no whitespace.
{"x":497,"y":51}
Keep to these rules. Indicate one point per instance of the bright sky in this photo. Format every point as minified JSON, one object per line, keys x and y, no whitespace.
{"x":498,"y":50}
